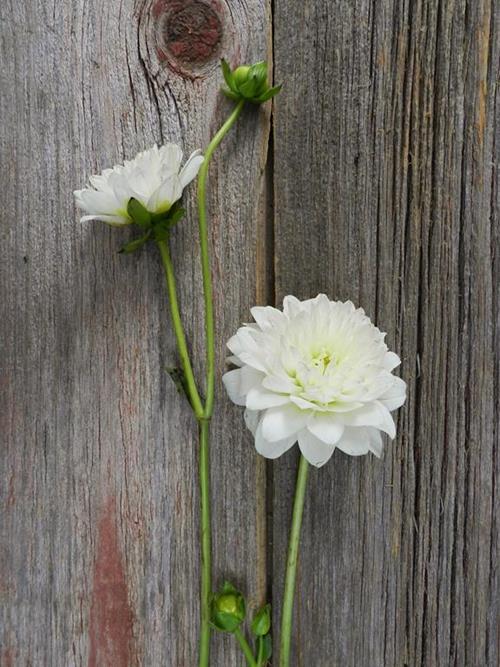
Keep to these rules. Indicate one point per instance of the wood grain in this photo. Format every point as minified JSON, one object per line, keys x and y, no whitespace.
{"x":99,"y":530}
{"x":382,"y":188}
{"x":386,"y":192}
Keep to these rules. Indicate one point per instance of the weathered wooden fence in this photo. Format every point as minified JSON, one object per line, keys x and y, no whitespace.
{"x":373,"y":177}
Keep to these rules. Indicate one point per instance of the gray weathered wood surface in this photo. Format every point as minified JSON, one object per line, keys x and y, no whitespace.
{"x":378,"y":183}
{"x":99,"y":548}
{"x":386,"y":192}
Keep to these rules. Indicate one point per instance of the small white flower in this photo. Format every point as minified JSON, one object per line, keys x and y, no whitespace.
{"x":153,"y":177}
{"x":318,"y":373}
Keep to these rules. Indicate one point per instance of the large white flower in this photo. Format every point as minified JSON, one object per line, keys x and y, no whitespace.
{"x":154,"y":177}
{"x":318,"y":373}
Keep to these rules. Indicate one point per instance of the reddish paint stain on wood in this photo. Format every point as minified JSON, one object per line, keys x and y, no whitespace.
{"x":8,"y":657}
{"x":111,"y":616}
{"x":11,"y":498}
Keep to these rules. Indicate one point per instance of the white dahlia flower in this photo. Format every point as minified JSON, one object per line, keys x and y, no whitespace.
{"x":154,"y":178}
{"x":318,"y":373}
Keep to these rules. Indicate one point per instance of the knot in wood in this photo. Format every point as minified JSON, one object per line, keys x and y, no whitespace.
{"x":191,"y":32}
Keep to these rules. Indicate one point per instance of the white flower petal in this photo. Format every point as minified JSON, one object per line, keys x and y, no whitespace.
{"x":394,"y":397}
{"x":244,"y":346}
{"x":152,"y":177}
{"x":355,"y":441}
{"x":113,"y":220}
{"x":250,"y":378}
{"x":279,"y":384}
{"x":191,"y":168}
{"x":95,"y":203}
{"x":268,"y":317}
{"x":283,"y":422}
{"x":375,"y":443}
{"x":170,"y":158}
{"x":373,"y":414}
{"x":271,"y":450}
{"x":391,"y":361}
{"x":166,"y":194}
{"x":232,"y":383}
{"x":324,"y":427}
{"x":313,"y":449}
{"x":291,"y":306}
{"x":252,"y":418}
{"x":257,"y":399}
{"x":302,"y":403}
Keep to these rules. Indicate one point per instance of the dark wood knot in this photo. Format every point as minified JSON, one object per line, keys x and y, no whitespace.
{"x":189,"y":32}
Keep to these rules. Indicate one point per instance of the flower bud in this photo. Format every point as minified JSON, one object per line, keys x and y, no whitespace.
{"x":240,"y":74}
{"x":261,"y":623}
{"x":248,"y":82}
{"x":228,"y":609}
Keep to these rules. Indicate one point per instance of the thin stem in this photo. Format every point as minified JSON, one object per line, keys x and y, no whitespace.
{"x":245,"y":648}
{"x":179,"y":331}
{"x":206,"y":543}
{"x":205,"y":259}
{"x":291,"y":566}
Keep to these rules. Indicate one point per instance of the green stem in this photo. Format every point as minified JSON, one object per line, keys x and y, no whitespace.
{"x":206,"y":543}
{"x":291,"y":566}
{"x":245,"y":648}
{"x":205,"y":259}
{"x":206,"y":558}
{"x":179,"y":331}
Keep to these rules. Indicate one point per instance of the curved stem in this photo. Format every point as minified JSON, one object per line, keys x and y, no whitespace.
{"x":206,"y":544}
{"x":245,"y":648}
{"x":205,"y":259}
{"x":291,"y":566}
{"x":179,"y":331}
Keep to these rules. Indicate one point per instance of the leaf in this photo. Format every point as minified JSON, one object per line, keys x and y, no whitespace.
{"x":268,"y":647}
{"x":268,"y":94}
{"x":135,"y":244}
{"x":228,"y":75}
{"x":139,"y":214}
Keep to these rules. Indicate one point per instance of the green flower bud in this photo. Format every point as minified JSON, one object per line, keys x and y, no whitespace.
{"x":228,"y":609}
{"x":248,"y":82}
{"x":240,"y":74}
{"x":261,"y":623}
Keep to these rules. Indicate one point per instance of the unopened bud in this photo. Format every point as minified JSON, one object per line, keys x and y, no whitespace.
{"x":248,"y":82}
{"x":261,"y":623}
{"x":228,"y":608}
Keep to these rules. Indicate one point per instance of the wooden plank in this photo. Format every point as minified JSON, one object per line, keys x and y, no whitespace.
{"x":99,"y":531}
{"x":386,"y":192}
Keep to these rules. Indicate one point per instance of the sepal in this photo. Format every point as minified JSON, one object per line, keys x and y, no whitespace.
{"x":157,"y":225}
{"x":139,"y":214}
{"x":135,"y":244}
